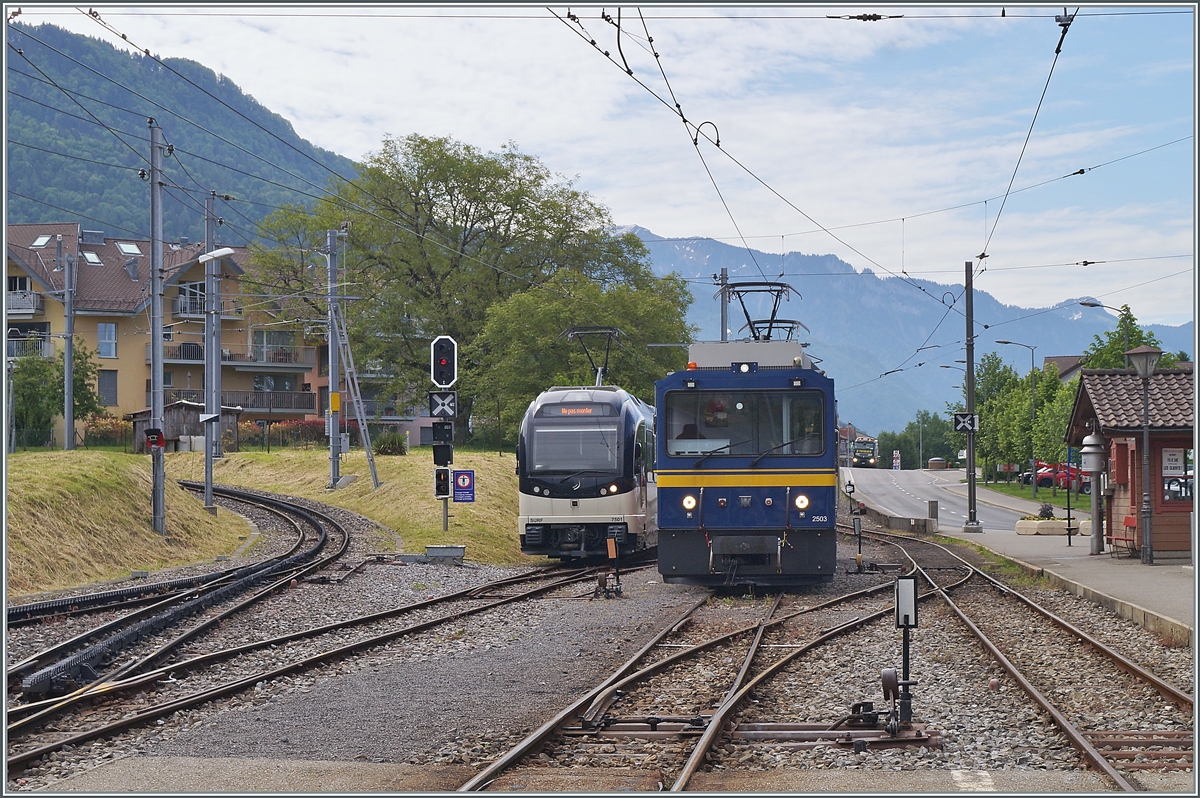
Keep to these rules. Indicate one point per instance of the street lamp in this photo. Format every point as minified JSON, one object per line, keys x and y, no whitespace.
{"x":1120,"y":318}
{"x":1144,"y":360}
{"x":1032,"y":409}
{"x":212,"y":399}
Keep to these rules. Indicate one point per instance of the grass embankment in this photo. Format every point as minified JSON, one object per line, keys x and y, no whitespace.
{"x":404,"y":502}
{"x":84,"y":516}
{"x":1081,"y":501}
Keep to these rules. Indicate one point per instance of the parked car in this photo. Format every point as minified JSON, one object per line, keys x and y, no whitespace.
{"x":1060,"y":474}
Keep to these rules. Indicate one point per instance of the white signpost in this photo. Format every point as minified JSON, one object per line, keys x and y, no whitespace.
{"x":895,"y":459}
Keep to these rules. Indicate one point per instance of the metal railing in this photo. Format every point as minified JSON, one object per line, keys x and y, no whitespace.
{"x":247,"y":400}
{"x":23,"y":347}
{"x":24,"y":302}
{"x":271,"y":400}
{"x":195,"y":306}
{"x":303,"y":357}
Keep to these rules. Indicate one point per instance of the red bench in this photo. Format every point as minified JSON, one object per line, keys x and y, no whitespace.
{"x":1128,"y":540}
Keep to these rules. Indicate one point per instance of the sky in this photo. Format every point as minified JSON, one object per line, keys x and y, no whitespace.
{"x":905,"y":145}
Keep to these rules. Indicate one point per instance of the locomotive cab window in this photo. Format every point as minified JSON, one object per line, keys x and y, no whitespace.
{"x":741,"y":423}
{"x":570,"y":438}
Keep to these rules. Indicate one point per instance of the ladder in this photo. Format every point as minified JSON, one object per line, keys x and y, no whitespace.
{"x":347,"y":360}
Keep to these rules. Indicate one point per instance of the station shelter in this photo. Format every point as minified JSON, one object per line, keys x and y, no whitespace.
{"x":1110,"y":404}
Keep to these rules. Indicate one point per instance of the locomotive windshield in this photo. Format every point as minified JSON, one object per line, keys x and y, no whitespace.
{"x":741,"y":423}
{"x":564,"y":447}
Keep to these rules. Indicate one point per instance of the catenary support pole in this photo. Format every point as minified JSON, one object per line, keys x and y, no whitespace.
{"x":158,"y":470}
{"x":212,"y":354}
{"x":68,"y":266}
{"x":972,"y":524}
{"x":334,"y":397}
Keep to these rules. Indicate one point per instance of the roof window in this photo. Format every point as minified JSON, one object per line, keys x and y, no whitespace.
{"x":40,"y":242}
{"x":92,"y":258}
{"x":128,"y":248}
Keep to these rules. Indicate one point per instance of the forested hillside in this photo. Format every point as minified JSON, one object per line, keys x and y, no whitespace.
{"x":78,"y":136}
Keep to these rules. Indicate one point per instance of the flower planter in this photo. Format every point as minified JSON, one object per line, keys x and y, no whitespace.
{"x":1053,"y":526}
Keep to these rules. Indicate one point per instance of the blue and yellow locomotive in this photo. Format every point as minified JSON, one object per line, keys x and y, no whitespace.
{"x":747,"y":467}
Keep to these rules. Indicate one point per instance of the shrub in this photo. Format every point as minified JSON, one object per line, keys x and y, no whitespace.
{"x":390,"y":443}
{"x":1046,"y":511}
{"x":101,"y":430}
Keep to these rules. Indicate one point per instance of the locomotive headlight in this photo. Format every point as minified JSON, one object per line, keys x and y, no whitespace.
{"x":612,"y":488}
{"x":801,"y":502}
{"x":689,"y":502}
{"x":603,"y":491}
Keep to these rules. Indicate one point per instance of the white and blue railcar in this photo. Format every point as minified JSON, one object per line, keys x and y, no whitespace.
{"x":746,"y":467}
{"x":585,"y":463}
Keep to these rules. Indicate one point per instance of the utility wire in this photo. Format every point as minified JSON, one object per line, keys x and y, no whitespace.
{"x":21,"y":53}
{"x":333,"y":197}
{"x":698,"y":132}
{"x":1065,"y":22}
{"x":695,"y":140}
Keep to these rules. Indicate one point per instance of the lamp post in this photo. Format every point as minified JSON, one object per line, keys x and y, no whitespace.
{"x":212,"y":400}
{"x":1144,"y":360}
{"x":1032,"y":410}
{"x":1124,"y":322}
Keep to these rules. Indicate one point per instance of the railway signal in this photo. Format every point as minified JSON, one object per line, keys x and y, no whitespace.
{"x":443,"y":361}
{"x":443,"y":432}
{"x":441,"y":483}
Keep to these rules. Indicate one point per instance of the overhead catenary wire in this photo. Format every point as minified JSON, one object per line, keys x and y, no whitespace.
{"x":696,"y":143}
{"x":698,"y":132}
{"x":1066,"y":26}
{"x":96,"y":17}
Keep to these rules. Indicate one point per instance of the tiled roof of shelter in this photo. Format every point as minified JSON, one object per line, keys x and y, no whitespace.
{"x":1115,"y":397}
{"x":104,"y":282}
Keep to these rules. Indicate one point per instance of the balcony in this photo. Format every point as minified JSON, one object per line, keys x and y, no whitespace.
{"x":23,"y":303}
{"x":248,"y":358}
{"x":192,"y":307}
{"x":283,"y":401}
{"x":24,"y":347}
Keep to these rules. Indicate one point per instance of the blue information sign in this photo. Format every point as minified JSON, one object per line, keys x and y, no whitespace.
{"x":464,"y":486}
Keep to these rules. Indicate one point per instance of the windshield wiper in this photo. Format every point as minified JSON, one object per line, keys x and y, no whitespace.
{"x":714,"y":451}
{"x":754,"y":462}
{"x":574,"y":474}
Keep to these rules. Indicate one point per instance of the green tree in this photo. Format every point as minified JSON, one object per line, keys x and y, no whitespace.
{"x":85,"y":374}
{"x":1108,"y":351}
{"x":35,"y":402}
{"x":993,"y":379}
{"x":925,"y":437}
{"x":1054,"y":416}
{"x":437,"y":232}
{"x":646,"y":310}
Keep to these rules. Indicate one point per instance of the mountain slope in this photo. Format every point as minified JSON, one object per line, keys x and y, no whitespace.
{"x":862,"y":325}
{"x":78,"y":134}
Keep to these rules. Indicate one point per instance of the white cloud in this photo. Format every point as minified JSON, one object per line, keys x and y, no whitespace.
{"x":853,"y":122}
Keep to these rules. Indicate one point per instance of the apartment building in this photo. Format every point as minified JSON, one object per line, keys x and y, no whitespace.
{"x":264,"y":369}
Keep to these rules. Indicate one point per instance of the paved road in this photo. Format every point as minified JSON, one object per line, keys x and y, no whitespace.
{"x":907,"y":494}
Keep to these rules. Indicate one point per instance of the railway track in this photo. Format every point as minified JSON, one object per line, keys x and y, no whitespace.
{"x":767,"y":686}
{"x":1027,"y":639}
{"x":158,"y":682}
{"x":740,"y":701}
